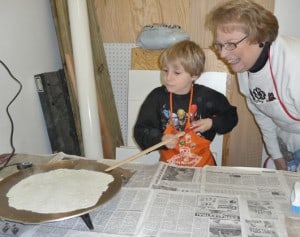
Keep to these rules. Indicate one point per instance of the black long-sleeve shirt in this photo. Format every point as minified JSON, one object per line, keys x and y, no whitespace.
{"x":154,"y":114}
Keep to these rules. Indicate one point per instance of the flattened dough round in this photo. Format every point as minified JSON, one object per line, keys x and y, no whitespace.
{"x":58,"y":191}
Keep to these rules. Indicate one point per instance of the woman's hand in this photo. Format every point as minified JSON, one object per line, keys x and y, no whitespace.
{"x":173,"y":140}
{"x":280,"y":164}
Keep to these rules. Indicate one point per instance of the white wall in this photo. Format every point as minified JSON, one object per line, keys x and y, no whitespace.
{"x":287,"y":12}
{"x":28,"y":46}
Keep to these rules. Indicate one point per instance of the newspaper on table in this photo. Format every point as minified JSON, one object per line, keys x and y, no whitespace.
{"x":165,"y":200}
{"x":230,"y":202}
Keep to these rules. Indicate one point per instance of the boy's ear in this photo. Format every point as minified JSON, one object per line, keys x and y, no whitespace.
{"x":194,"y":78}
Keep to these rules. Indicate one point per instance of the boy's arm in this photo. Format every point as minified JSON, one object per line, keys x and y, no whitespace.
{"x":226,"y":117}
{"x":147,"y":131}
{"x":226,"y":120}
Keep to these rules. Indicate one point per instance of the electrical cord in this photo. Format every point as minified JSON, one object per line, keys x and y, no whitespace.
{"x":9,"y":116}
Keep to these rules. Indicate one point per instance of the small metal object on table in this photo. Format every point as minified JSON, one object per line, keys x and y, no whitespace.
{"x":87,"y":220}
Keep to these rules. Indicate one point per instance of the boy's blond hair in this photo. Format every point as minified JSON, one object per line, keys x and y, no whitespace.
{"x":188,"y":54}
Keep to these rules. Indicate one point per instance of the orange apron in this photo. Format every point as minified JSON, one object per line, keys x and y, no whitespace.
{"x":191,"y":150}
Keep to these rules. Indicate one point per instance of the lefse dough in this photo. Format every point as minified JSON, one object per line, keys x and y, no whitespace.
{"x":58,"y":191}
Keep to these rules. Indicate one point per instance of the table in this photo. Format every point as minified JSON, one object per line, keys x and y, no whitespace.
{"x":163,"y":200}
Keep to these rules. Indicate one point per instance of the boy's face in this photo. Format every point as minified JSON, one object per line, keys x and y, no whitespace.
{"x":176,"y":79}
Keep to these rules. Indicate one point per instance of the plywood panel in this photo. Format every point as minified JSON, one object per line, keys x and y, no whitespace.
{"x":121,"y":20}
{"x":245,"y":148}
{"x":196,"y":29}
{"x":143,"y":59}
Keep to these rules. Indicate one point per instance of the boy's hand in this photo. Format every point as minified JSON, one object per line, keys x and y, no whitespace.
{"x":173,"y":140}
{"x":202,"y":125}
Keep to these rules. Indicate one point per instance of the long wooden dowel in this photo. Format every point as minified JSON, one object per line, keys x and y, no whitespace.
{"x":144,"y":152}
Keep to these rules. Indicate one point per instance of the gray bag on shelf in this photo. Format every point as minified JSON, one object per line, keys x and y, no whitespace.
{"x":160,"y":36}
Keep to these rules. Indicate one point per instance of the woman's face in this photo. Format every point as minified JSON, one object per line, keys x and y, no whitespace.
{"x":243,"y":57}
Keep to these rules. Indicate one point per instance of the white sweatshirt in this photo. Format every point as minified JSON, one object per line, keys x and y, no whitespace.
{"x":264,"y":103}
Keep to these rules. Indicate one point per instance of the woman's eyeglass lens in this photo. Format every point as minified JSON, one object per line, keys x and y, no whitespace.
{"x":229,"y":46}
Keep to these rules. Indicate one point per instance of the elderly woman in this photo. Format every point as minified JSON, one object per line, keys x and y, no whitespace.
{"x":268,"y":70}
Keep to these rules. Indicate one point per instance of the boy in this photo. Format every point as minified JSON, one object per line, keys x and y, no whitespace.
{"x":180,"y":105}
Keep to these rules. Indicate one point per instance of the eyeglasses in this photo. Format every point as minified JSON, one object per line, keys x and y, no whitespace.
{"x":229,"y":46}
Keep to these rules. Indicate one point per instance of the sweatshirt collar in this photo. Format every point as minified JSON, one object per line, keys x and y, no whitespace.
{"x":262,"y":59}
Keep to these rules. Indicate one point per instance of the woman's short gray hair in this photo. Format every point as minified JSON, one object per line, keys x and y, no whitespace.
{"x":246,"y":16}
